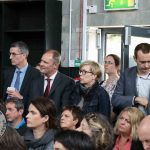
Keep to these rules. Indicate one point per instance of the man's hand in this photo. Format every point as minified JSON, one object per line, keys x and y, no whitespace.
{"x":142,"y":101}
{"x":12,"y":93}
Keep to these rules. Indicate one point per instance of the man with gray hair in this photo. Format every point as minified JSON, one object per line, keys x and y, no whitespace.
{"x":14,"y":112}
{"x":17,"y":79}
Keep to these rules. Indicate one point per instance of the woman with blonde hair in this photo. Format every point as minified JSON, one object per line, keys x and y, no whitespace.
{"x":99,"y":129}
{"x":88,"y":94}
{"x":126,"y":129}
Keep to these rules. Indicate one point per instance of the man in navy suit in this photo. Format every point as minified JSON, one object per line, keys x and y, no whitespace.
{"x":133,"y":87}
{"x":60,"y":85}
{"x":12,"y":87}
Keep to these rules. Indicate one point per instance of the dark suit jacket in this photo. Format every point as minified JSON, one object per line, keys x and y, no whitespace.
{"x":96,"y":100}
{"x":30,"y":75}
{"x":60,"y":91}
{"x":126,"y":90}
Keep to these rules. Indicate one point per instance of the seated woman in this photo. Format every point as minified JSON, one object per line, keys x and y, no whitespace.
{"x":73,"y":140}
{"x":99,"y":129}
{"x":41,"y":123}
{"x":126,"y":129}
{"x":88,"y":94}
{"x":71,"y":117}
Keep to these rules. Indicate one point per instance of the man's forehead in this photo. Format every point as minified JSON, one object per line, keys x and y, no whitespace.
{"x":14,"y":49}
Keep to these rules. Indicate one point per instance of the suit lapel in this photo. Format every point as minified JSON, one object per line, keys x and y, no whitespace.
{"x":57,"y":81}
{"x":26,"y":78}
{"x":11,"y":76}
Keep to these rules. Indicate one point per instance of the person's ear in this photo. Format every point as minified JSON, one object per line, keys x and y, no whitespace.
{"x":21,"y":112}
{"x":45,"y":118}
{"x":75,"y":121}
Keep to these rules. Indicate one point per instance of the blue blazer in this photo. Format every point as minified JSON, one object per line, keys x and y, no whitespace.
{"x":126,"y":90}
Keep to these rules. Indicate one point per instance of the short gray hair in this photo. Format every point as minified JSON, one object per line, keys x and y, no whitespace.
{"x":22,"y":47}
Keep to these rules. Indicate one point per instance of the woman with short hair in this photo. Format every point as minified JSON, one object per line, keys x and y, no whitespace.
{"x":71,"y":117}
{"x":88,"y":94}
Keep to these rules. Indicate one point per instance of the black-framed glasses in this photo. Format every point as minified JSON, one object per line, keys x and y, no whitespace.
{"x":84,"y":72}
{"x":14,"y":54}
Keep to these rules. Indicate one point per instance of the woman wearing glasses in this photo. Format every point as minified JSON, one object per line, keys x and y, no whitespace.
{"x":126,"y":129}
{"x":112,"y":70}
{"x":88,"y":94}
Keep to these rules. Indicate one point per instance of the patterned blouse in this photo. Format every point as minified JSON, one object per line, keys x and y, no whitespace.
{"x":110,"y":87}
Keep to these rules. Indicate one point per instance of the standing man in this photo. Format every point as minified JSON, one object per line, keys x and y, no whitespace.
{"x":14,"y":112}
{"x":133,"y":87}
{"x":17,"y":79}
{"x":144,"y":132}
{"x":52,"y":83}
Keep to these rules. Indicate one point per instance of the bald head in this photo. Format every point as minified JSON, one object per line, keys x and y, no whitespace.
{"x":144,"y":132}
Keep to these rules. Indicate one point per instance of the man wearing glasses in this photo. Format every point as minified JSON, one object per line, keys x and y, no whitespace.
{"x":133,"y":87}
{"x":17,"y":79}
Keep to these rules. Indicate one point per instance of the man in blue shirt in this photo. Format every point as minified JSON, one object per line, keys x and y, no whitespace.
{"x":17,"y":79}
{"x":14,"y":112}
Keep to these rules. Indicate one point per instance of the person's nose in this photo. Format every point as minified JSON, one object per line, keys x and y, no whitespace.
{"x":27,"y":116}
{"x":7,"y":112}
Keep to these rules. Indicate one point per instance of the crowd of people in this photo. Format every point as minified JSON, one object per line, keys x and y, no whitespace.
{"x":47,"y":110}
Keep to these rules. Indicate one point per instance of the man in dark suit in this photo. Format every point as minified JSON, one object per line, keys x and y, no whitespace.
{"x":133,"y":87}
{"x":14,"y":85}
{"x":60,"y":86}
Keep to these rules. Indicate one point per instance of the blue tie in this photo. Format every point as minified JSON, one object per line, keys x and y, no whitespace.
{"x":17,"y":82}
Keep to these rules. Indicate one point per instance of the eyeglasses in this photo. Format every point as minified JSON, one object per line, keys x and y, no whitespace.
{"x":108,"y":62}
{"x":14,"y":54}
{"x":84,"y":72}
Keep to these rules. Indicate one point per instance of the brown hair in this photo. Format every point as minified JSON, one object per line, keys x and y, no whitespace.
{"x":144,"y":47}
{"x":76,"y":113}
{"x":46,"y":107}
{"x":12,"y":140}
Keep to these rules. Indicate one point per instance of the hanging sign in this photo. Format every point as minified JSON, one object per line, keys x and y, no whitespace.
{"x":110,"y":5}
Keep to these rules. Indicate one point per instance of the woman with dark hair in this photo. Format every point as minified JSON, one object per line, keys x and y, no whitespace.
{"x":11,"y":140}
{"x":71,"y":117}
{"x":42,"y":124}
{"x":112,"y":70}
{"x":73,"y":140}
